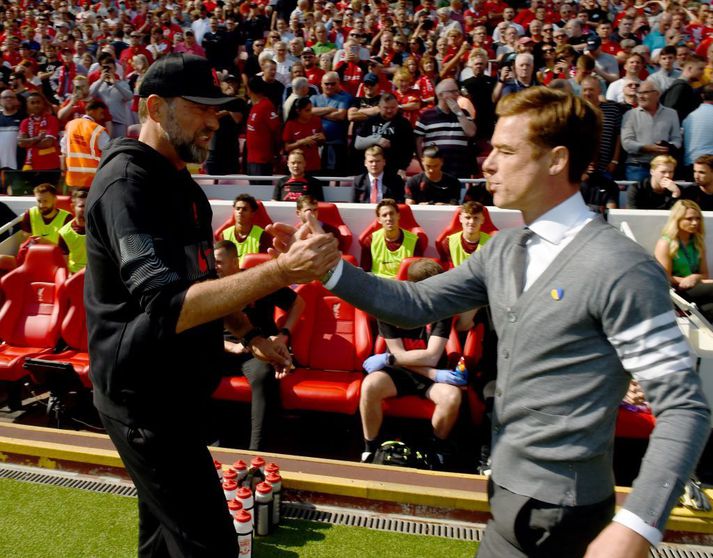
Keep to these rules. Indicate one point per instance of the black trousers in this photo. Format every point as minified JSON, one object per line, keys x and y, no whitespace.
{"x":523,"y":527}
{"x":264,"y":387}
{"x":182,"y":509}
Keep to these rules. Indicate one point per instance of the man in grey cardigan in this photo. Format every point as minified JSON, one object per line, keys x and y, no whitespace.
{"x":579,"y":310}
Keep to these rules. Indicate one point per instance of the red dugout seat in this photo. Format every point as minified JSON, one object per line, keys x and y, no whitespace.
{"x":330,"y":342}
{"x":633,"y":424}
{"x":261,"y":219}
{"x":407,"y":222}
{"x":30,"y":316}
{"x":454,"y":226}
{"x":73,"y":330}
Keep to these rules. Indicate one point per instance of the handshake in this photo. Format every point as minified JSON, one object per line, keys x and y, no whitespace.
{"x":303,"y":254}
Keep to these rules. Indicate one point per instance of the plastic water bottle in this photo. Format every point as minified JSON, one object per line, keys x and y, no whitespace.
{"x":234,"y":506}
{"x":229,"y":489}
{"x":263,"y":509}
{"x":244,"y":528}
{"x":275,"y":480}
{"x":230,"y":474}
{"x":242,"y":469}
{"x":461,"y":369}
{"x":256,"y":473}
{"x":245,"y":497}
{"x":272,"y":468}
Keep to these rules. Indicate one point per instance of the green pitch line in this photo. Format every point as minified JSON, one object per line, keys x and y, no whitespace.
{"x":39,"y":521}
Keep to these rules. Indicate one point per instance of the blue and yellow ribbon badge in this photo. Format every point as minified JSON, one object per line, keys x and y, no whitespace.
{"x":557,"y":294}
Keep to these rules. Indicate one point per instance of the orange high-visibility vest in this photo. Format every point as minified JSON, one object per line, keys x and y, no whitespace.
{"x":83,"y":153}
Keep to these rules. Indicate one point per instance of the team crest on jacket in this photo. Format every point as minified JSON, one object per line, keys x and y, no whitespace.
{"x":557,"y":294}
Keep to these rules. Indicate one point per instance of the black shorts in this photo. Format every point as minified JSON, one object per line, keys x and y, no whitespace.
{"x":407,"y":382}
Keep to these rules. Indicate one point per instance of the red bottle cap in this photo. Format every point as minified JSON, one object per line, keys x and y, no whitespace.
{"x":257,"y":462}
{"x":218,"y":464}
{"x":240,"y":465}
{"x":272,"y":468}
{"x":263,"y":488}
{"x":230,"y":474}
{"x":235,"y":505}
{"x":243,"y":517}
{"x":230,"y":485}
{"x":244,"y":493}
{"x":273,"y":478}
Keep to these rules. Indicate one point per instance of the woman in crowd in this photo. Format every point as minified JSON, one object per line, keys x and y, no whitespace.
{"x":427,"y":81}
{"x":406,"y":95}
{"x":681,"y":251}
{"x":547,"y":72}
{"x":303,"y":131}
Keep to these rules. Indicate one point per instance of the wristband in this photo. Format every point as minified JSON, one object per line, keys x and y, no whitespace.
{"x":250,"y":335}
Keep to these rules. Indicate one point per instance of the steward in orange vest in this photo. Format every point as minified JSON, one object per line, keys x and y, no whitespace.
{"x":82,"y":146}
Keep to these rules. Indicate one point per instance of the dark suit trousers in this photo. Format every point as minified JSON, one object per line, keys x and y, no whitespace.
{"x":523,"y":527}
{"x":182,"y":508}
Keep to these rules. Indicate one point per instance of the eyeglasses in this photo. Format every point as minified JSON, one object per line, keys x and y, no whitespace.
{"x":329,"y":83}
{"x":640,"y":92}
{"x":545,"y":29}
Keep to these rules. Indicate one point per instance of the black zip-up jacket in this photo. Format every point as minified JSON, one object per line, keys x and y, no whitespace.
{"x":149,"y":238}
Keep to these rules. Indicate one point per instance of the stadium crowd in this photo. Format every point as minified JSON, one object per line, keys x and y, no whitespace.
{"x":401,"y":95}
{"x":334,"y":80}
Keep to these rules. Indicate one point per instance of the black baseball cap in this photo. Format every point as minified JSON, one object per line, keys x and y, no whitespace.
{"x":183,"y":75}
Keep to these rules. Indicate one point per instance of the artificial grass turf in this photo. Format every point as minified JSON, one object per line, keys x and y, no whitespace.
{"x":39,"y":521}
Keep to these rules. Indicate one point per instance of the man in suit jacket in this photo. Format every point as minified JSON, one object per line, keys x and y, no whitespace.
{"x":579,"y":310}
{"x":377,"y":184}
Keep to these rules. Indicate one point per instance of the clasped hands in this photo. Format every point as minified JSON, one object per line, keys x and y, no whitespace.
{"x":303,"y":254}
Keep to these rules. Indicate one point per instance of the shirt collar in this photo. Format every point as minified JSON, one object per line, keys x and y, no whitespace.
{"x":554,"y":225}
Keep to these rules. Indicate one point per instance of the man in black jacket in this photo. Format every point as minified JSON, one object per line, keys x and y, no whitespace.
{"x":155,"y":309}
{"x":390,"y":131}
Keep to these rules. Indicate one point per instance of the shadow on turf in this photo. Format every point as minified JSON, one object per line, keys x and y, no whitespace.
{"x":291,"y":533}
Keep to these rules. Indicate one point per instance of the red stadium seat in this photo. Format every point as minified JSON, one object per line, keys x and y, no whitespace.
{"x":252,"y":260}
{"x":65,"y":202}
{"x":73,"y":331}
{"x":454,"y":226}
{"x":30,"y":316}
{"x":406,"y":222}
{"x":633,"y":424}
{"x":329,"y":213}
{"x":330,"y":342}
{"x":261,"y":219}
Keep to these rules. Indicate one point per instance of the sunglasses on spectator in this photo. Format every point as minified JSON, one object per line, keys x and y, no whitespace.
{"x":547,"y":29}
{"x":330,"y":83}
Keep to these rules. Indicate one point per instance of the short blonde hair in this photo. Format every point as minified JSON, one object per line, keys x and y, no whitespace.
{"x":662,"y":160}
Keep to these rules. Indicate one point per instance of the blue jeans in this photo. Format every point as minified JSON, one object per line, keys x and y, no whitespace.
{"x":636,"y":173}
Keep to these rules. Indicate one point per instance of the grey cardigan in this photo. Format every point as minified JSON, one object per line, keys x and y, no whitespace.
{"x":568,"y":346}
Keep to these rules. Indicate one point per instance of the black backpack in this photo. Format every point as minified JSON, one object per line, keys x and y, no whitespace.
{"x":399,"y":454}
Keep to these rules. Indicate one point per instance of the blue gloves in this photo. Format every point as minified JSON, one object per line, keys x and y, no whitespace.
{"x":451,"y":377}
{"x":376,"y":362}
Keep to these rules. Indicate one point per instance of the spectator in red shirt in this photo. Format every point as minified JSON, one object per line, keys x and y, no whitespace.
{"x":312,"y":71}
{"x":39,"y":134}
{"x":135,"y":47}
{"x":263,"y":133}
{"x":303,"y":130}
